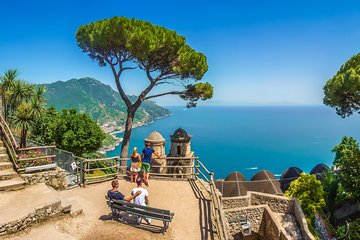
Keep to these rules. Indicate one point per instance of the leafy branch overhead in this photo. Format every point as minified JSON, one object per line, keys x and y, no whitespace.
{"x":126,"y":44}
{"x":342,"y":91}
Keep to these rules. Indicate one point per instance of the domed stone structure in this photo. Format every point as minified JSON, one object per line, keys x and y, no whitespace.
{"x":235,"y":176}
{"x":233,"y":185}
{"x":180,"y":148}
{"x":180,"y":144}
{"x":319,"y":170}
{"x":157,"y":142}
{"x":266,"y":182}
{"x":288,"y":176}
{"x":154,"y":137}
{"x":180,"y":135}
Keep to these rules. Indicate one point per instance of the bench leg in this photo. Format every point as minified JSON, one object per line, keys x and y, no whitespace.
{"x":166,"y":225}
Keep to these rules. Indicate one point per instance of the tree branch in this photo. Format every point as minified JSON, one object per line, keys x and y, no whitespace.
{"x":118,"y":84}
{"x":151,"y":79}
{"x":163,"y":94}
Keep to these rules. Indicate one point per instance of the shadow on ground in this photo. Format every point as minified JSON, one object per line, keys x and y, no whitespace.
{"x":205,"y":212}
{"x":132,"y":221}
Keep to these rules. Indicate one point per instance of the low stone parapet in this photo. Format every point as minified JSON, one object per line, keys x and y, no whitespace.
{"x":277,"y":204}
{"x":54,"y":178}
{"x":38,"y":215}
{"x":236,"y":202}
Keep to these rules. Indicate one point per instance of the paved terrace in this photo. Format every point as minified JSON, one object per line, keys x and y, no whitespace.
{"x":181,"y":197}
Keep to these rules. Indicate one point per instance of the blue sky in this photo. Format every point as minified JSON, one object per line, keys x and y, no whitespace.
{"x":259,"y":52}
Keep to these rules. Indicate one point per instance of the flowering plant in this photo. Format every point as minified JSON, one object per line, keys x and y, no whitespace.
{"x":33,"y":162}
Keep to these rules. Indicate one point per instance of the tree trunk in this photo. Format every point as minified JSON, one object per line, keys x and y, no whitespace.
{"x":127,"y":134}
{"x":23,"y":138}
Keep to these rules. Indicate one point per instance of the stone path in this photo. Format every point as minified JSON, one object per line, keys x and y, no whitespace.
{"x":94,"y":223}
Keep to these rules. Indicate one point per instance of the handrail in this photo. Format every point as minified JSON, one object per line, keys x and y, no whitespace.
{"x":36,"y":158}
{"x":38,"y":147}
{"x":178,"y":158}
{"x":8,"y":131}
{"x":216,"y":205}
{"x":101,"y":159}
{"x":9,"y":141}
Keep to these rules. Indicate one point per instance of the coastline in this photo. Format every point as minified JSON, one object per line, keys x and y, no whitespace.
{"x":118,"y":130}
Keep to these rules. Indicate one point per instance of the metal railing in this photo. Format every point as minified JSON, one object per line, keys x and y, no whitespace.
{"x":32,"y":157}
{"x":101,"y":169}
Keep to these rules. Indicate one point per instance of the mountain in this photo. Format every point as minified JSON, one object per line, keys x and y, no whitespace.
{"x":100,"y":101}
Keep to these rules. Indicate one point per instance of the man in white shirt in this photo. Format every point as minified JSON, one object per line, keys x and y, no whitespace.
{"x":142,"y":199}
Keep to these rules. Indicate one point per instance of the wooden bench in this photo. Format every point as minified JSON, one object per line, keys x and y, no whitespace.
{"x":119,"y":206}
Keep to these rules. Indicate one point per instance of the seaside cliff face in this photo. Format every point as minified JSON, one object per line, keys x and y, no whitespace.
{"x":100,"y":101}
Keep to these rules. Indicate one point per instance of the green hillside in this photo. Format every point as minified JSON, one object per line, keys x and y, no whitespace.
{"x":100,"y":101}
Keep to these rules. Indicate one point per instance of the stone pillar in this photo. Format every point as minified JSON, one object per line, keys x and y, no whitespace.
{"x":158,"y":143}
{"x":181,"y":147}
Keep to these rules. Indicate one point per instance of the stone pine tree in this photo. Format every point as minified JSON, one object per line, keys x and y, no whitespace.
{"x":342,"y":91}
{"x":165,"y":58}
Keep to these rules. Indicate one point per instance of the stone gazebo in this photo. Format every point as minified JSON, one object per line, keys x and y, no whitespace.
{"x":158,"y":143}
{"x":180,"y":147}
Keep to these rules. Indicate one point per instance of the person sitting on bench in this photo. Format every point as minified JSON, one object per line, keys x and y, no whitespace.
{"x":115,"y":194}
{"x":141,"y":199}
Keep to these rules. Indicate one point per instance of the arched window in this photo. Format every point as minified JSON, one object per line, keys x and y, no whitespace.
{"x":178,"y":150}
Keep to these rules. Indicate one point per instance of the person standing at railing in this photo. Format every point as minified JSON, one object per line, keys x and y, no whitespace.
{"x":135,"y":165}
{"x":147,"y":153}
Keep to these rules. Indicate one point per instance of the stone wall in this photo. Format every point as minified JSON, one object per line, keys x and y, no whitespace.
{"x":322,"y":227}
{"x":252,"y":206}
{"x":37,"y":216}
{"x":300,"y":218}
{"x":278,"y":204}
{"x":264,"y":225}
{"x":269,"y":229}
{"x":236,"y":202}
{"x":253,"y":213}
{"x":54,"y":178}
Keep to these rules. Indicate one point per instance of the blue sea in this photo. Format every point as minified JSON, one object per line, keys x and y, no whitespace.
{"x":250,"y":139}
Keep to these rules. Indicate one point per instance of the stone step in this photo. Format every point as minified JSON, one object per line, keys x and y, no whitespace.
{"x":6,"y":165}
{"x":7,"y":174}
{"x":70,"y":205}
{"x":19,"y":210}
{"x":3,"y":150}
{"x":1,"y":144}
{"x":4,"y":157}
{"x":12,"y":184}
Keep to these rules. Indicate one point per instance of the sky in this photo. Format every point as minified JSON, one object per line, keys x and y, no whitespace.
{"x":258,"y":52}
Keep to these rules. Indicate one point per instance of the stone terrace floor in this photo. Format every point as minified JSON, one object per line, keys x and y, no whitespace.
{"x":180,"y":197}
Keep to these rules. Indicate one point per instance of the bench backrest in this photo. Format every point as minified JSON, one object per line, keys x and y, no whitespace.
{"x":151,"y":212}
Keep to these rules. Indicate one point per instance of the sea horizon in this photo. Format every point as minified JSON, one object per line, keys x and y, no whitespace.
{"x":250,"y":139}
